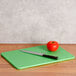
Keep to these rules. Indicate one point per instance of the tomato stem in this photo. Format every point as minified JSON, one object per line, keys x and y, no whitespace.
{"x":53,"y":42}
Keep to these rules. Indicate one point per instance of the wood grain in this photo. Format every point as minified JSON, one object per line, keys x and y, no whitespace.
{"x":66,"y":68}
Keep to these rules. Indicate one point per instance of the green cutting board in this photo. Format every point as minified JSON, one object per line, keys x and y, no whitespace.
{"x":21,"y":60}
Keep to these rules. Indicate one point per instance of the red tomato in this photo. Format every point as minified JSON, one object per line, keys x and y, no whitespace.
{"x":52,"y":45}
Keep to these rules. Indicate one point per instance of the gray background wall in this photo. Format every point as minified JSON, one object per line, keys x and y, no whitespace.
{"x":37,"y":21}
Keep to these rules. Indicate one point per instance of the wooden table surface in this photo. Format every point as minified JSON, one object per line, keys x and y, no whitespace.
{"x":66,"y":68}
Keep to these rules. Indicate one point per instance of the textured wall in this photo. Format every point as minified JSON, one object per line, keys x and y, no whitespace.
{"x":37,"y":21}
